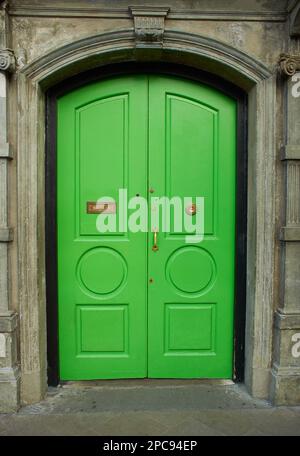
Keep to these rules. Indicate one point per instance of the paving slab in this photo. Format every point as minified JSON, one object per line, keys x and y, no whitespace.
{"x":137,"y":408}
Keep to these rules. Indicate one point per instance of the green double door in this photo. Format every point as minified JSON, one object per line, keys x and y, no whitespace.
{"x":126,"y":310}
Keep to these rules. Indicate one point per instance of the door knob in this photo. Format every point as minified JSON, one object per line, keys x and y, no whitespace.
{"x":191,"y":210}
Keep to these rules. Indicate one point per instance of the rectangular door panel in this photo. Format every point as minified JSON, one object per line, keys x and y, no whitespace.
{"x":191,"y":132}
{"x":102,"y":150}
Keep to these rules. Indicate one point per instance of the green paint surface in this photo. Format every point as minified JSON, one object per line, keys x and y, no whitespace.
{"x":179,"y":138}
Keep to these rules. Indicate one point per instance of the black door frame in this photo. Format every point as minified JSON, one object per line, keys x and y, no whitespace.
{"x":181,"y":71}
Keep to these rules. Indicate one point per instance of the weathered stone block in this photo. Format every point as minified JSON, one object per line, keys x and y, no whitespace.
{"x":8,"y":349}
{"x":9,"y":390}
{"x":285,"y":388}
{"x":286,"y":353}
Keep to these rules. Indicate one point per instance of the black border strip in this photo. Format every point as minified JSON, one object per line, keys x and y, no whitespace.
{"x":50,"y":200}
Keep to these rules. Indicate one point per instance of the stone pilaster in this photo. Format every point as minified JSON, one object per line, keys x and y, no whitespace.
{"x":286,"y":365}
{"x":9,"y":372}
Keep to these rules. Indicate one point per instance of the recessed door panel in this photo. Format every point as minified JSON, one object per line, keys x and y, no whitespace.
{"x":190,"y":161}
{"x":102,"y":153}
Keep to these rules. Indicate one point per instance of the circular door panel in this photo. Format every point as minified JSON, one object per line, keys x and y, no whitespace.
{"x":102,"y":270}
{"x":191,"y":270}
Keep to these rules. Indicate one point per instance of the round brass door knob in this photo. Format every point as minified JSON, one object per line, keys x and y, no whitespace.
{"x":191,"y":210}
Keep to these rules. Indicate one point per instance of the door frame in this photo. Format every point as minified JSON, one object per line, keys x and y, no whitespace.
{"x":183,"y":72}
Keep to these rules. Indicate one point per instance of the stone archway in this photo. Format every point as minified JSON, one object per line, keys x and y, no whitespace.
{"x":121,"y":46}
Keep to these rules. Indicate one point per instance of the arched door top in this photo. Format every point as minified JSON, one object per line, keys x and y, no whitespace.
{"x":119,"y":46}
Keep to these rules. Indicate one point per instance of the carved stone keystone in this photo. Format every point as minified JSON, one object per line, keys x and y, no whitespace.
{"x":149,"y":24}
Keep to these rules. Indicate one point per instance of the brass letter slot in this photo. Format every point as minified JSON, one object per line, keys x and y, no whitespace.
{"x":92,"y":207}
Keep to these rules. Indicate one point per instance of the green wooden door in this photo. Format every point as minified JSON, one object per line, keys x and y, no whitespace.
{"x":124,"y":309}
{"x":190,"y":308}
{"x":102,"y":278}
